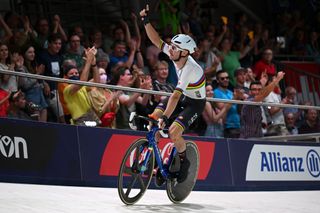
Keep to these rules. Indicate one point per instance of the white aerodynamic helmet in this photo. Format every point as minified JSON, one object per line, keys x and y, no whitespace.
{"x":184,"y":42}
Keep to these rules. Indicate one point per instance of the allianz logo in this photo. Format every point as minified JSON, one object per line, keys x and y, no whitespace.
{"x":15,"y":147}
{"x":275,"y":162}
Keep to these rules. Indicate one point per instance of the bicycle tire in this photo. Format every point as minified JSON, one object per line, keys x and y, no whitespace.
{"x":130,"y":177}
{"x":177,"y":192}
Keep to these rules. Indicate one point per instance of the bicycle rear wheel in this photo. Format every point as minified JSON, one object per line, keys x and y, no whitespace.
{"x":177,"y":192}
{"x":134,"y":178}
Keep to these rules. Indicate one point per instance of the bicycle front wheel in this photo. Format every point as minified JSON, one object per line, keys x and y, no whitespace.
{"x":134,"y":178}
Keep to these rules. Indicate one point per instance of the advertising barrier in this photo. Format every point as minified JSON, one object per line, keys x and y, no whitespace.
{"x":35,"y":152}
{"x":38,"y":152}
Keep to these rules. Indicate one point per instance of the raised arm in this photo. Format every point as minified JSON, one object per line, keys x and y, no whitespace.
{"x":151,"y":32}
{"x":266,"y":90}
{"x":7,"y":30}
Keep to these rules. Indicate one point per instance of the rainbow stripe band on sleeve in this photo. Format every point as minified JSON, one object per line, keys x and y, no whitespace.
{"x":159,"y":109}
{"x":179,"y":90}
{"x":179,"y":124}
{"x":161,"y":45}
{"x":198,"y":84}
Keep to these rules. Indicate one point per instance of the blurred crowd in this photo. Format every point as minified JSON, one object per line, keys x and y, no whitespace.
{"x":237,"y":57}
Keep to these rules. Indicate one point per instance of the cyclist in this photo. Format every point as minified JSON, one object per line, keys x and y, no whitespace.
{"x":189,"y":93}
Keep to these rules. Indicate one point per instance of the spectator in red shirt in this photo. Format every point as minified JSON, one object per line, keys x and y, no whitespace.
{"x":4,"y":102}
{"x":265,"y":64}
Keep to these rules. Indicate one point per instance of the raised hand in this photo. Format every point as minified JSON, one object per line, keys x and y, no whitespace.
{"x":144,"y":12}
{"x":40,"y":69}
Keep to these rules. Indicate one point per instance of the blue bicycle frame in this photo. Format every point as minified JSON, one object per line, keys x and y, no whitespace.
{"x":153,"y":145}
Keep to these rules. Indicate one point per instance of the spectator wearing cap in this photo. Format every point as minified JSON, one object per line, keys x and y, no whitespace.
{"x":66,"y":66}
{"x":74,"y":52}
{"x":17,"y":106}
{"x":265,"y":64}
{"x":76,"y":96}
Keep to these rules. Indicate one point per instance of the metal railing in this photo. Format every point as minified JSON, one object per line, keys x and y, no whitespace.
{"x":300,"y":138}
{"x":130,"y":89}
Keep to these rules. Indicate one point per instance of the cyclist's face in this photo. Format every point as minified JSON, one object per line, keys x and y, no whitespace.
{"x":174,"y":52}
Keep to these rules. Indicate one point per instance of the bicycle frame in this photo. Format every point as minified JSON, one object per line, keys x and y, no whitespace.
{"x":153,"y":146}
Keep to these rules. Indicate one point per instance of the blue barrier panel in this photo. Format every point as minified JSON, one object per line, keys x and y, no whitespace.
{"x":62,"y":154}
{"x":38,"y":152}
{"x":102,"y":151}
{"x":275,"y":166}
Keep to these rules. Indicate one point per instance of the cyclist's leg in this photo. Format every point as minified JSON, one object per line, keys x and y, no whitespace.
{"x":192,"y":110}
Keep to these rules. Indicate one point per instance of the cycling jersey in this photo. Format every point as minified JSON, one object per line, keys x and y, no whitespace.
{"x":191,"y":79}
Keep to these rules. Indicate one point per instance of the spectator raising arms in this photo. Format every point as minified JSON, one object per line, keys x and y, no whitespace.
{"x":76,"y":96}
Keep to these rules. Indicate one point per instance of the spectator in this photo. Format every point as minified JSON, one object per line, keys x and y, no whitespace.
{"x":7,"y":31}
{"x":17,"y":106}
{"x":119,"y":55}
{"x":264,"y":42}
{"x":4,"y":102}
{"x":77,"y":30}
{"x":7,"y":82}
{"x":74,"y":52}
{"x":232,"y":121}
{"x":240,"y":76}
{"x":251,"y":115}
{"x":160,"y":83}
{"x":312,"y":47}
{"x":213,"y":116}
{"x":298,"y":43}
{"x":120,"y":32}
{"x":230,"y":59}
{"x":290,"y":119}
{"x":311,"y":123}
{"x":76,"y":96}
{"x":104,"y":102}
{"x":169,"y":16}
{"x":32,"y":88}
{"x":102,"y":62}
{"x":265,"y":64}
{"x":249,"y":78}
{"x":276,"y":123}
{"x":290,"y":98}
{"x":61,"y":86}
{"x":123,"y":77}
{"x":42,"y":30}
{"x":52,"y":60}
{"x":58,"y":29}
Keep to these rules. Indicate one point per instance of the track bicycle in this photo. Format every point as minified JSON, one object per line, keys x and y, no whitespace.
{"x":138,"y":165}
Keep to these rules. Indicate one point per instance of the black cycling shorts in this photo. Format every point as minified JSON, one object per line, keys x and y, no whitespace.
{"x":186,"y":112}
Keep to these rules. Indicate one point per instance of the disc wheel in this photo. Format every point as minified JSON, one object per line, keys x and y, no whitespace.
{"x":133,"y":178}
{"x":177,"y":192}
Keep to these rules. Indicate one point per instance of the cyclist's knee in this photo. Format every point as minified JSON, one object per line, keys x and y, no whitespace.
{"x":175,"y":133}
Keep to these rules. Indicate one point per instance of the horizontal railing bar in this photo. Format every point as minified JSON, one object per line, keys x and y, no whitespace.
{"x":130,"y":89}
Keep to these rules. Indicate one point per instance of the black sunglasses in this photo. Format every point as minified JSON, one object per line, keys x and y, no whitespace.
{"x":224,"y":78}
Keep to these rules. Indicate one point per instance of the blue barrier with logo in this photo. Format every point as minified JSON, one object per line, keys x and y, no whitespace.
{"x":38,"y":152}
{"x":50,"y":153}
{"x":272,"y":165}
